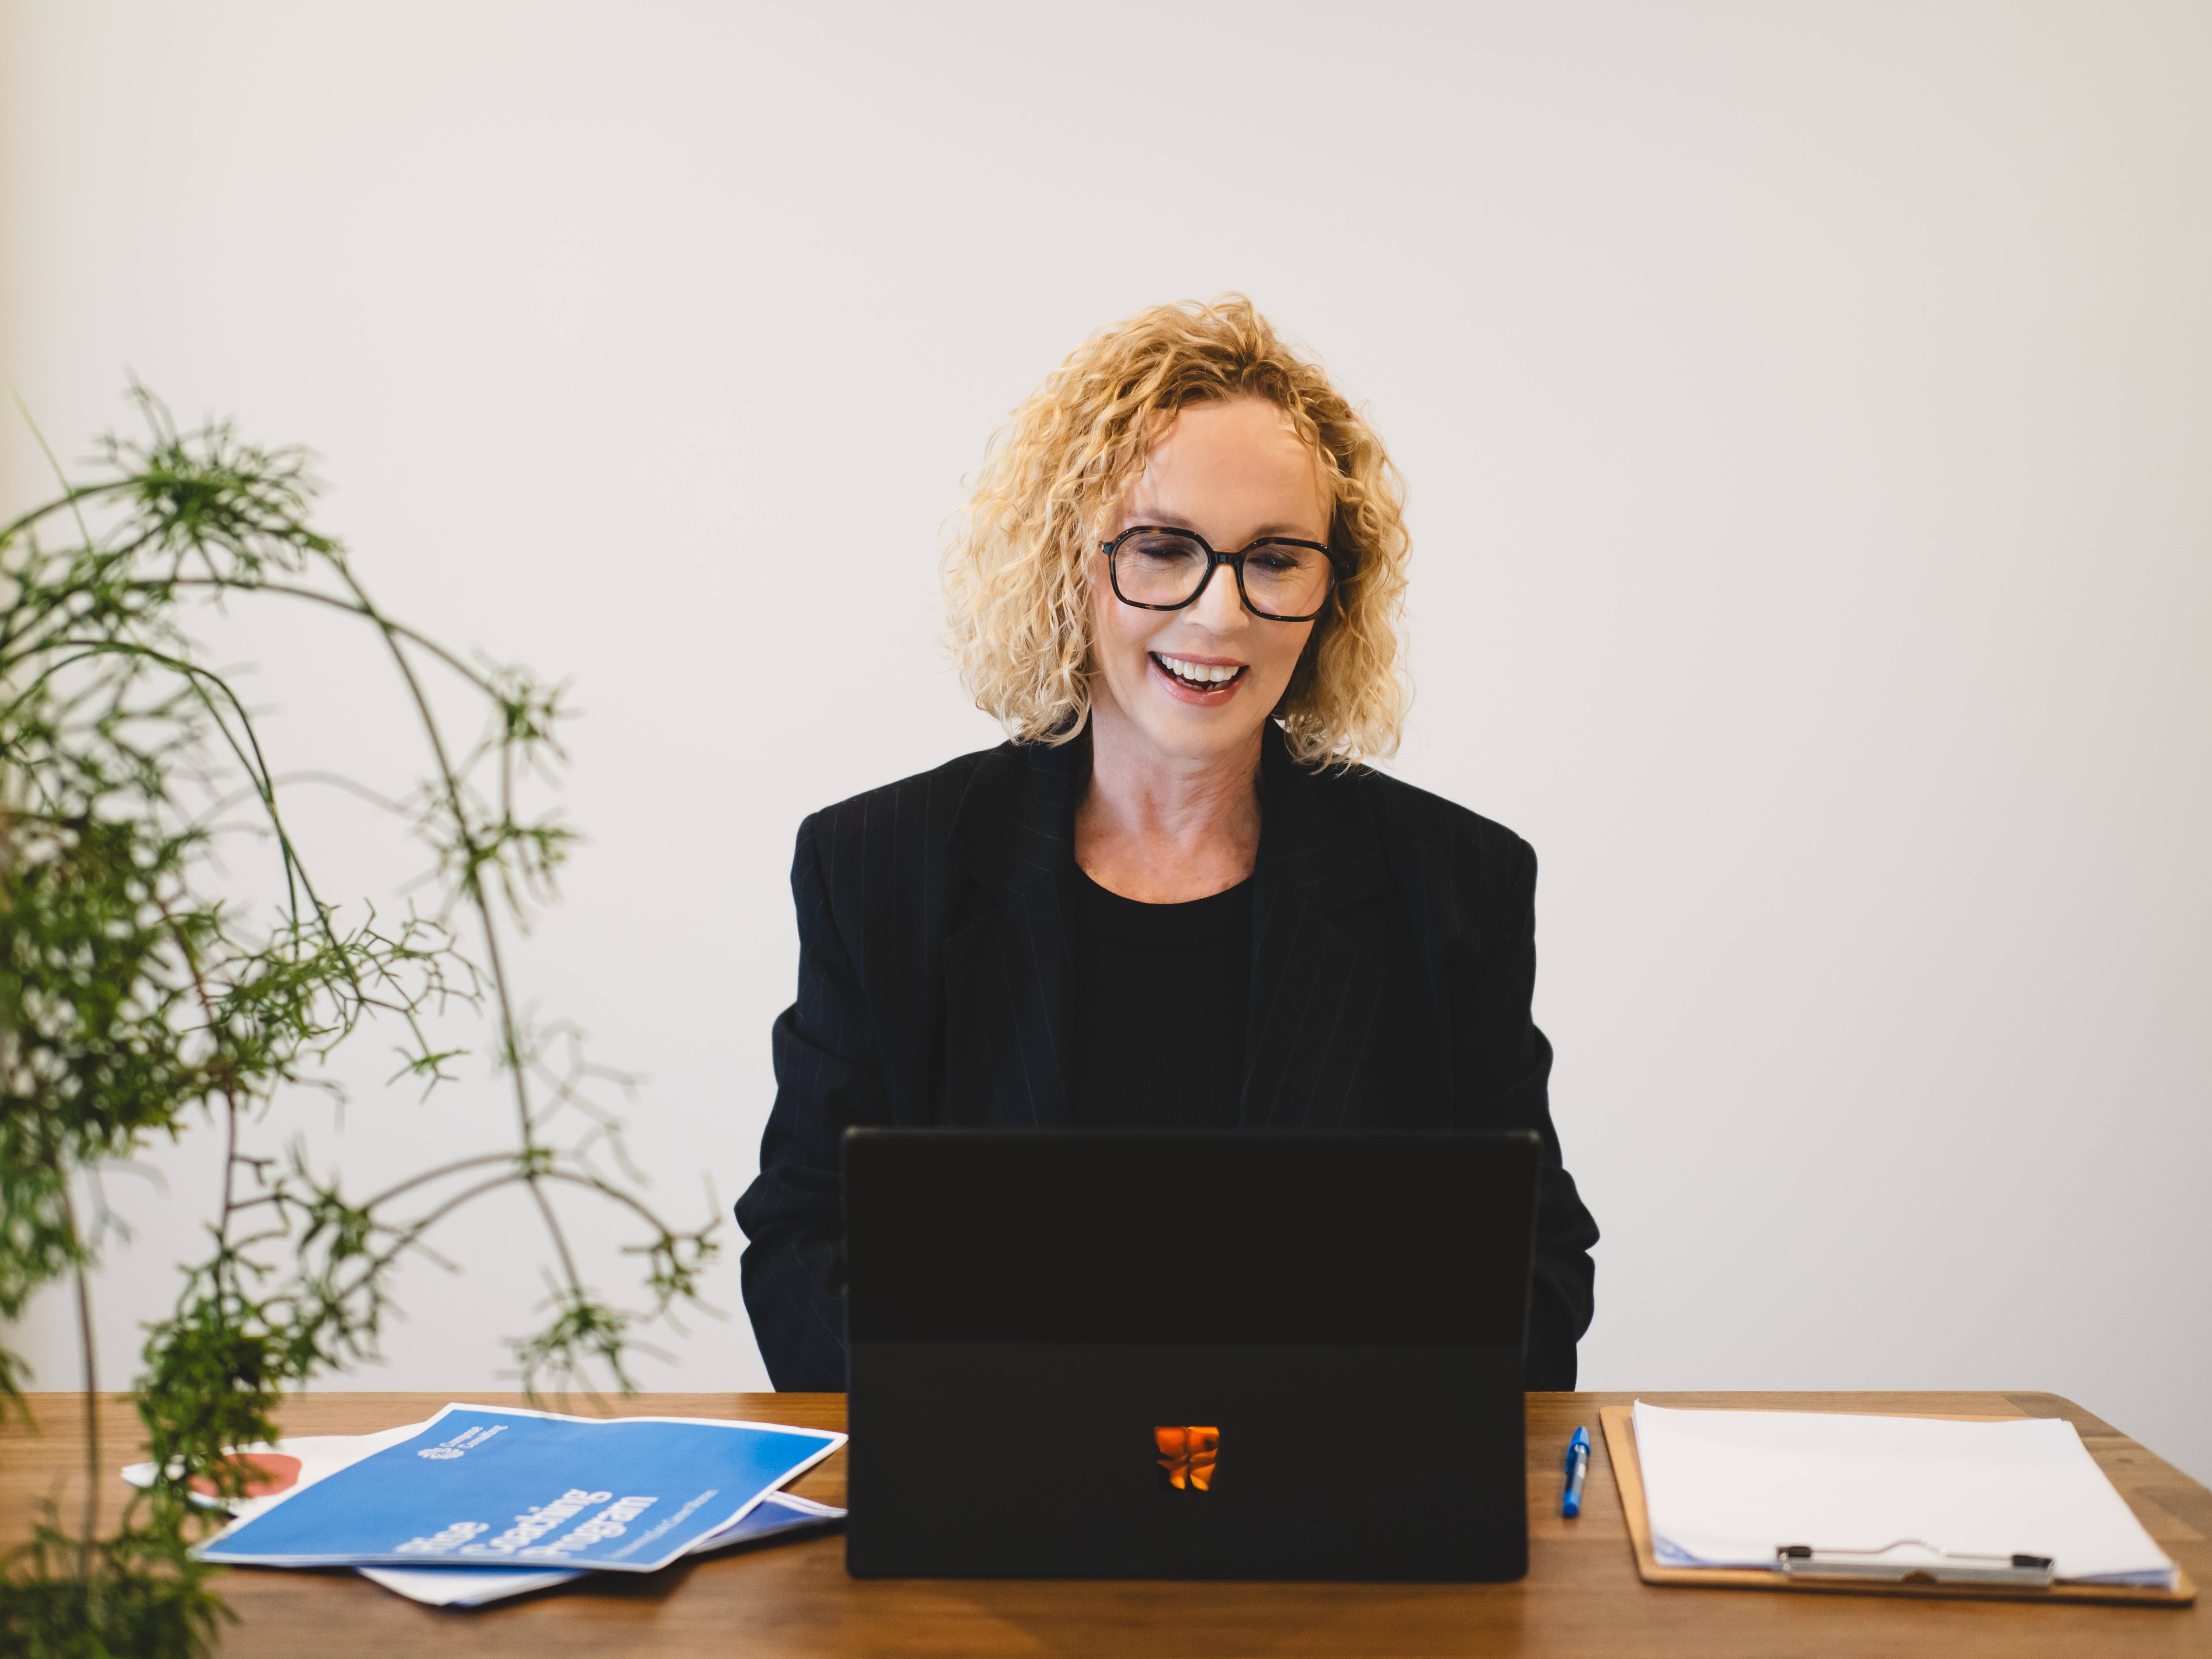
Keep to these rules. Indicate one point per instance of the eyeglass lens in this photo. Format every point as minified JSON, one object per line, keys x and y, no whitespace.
{"x":1165,"y":567}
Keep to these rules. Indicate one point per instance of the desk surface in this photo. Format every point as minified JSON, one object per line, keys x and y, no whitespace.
{"x":1582,"y":1596}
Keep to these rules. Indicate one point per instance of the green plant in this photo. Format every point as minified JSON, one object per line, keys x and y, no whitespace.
{"x":138,"y":1002}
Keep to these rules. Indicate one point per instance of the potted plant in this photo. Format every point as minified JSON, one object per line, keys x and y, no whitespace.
{"x":139,"y":1001}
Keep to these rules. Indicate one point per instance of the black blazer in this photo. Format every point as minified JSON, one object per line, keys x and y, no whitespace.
{"x":1394,"y":955}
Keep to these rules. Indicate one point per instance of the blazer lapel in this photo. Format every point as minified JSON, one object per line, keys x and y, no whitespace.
{"x":1007,"y":972}
{"x":1315,"y":993}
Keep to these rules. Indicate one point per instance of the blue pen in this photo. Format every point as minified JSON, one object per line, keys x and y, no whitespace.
{"x":1570,"y":1505}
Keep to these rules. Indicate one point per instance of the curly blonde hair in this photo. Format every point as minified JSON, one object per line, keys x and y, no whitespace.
{"x":1018,"y":572}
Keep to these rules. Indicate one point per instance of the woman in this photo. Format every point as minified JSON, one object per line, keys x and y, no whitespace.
{"x":1175,"y":898}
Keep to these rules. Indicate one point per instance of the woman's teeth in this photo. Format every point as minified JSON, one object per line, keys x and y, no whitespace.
{"x":1199,"y":676}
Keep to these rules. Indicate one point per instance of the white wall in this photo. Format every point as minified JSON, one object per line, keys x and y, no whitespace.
{"x":1805,"y":413}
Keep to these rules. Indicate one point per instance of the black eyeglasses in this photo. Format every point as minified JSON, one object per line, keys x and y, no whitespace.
{"x":1155,"y":568}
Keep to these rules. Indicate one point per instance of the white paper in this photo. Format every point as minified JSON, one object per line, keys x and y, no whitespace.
{"x":1728,"y":1489}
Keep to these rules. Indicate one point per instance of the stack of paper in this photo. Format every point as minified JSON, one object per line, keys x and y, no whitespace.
{"x":1728,"y":1489}
{"x":482,"y":1502}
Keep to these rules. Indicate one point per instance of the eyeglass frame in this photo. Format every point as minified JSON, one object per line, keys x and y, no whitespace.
{"x":1340,"y":568}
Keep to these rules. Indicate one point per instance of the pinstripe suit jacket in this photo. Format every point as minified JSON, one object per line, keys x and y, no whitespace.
{"x":1393,"y":956}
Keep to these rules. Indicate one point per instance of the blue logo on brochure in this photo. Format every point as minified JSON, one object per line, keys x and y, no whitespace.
{"x":461,"y":1443}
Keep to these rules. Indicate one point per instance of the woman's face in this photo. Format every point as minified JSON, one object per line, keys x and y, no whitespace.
{"x":1234,"y":472}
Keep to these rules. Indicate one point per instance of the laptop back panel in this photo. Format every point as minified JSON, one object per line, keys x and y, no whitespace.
{"x":1248,"y":1355}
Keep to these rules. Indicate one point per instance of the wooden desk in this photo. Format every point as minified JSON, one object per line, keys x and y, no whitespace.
{"x":1582,"y":1596}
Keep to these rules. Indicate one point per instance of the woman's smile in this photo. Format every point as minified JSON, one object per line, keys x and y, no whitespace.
{"x":1203,"y":680}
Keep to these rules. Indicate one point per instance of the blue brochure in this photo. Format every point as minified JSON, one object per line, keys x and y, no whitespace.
{"x":501,"y":1486}
{"x":778,"y":1516}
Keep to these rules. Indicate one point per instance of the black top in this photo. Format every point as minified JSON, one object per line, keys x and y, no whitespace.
{"x":1394,"y":958}
{"x":1161,"y":993}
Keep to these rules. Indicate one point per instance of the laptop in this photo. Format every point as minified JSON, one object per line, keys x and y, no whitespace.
{"x":1139,"y":1354}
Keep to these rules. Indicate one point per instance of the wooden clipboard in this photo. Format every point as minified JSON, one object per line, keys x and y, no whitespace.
{"x":1619,"y":1426}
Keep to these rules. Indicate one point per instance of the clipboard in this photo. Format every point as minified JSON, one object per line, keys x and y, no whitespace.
{"x":1627,"y":1474}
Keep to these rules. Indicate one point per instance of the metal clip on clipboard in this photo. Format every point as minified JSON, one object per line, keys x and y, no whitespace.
{"x":1803,"y":1561}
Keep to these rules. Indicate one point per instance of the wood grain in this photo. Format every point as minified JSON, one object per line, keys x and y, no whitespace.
{"x":1581,"y":1597}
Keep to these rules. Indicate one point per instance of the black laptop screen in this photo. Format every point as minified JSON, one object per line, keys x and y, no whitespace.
{"x":1249,"y":1236}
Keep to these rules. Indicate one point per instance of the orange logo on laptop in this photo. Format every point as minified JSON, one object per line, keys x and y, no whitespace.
{"x":1188,"y":1455}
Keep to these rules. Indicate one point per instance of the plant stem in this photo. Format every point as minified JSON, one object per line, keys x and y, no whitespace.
{"x":82,"y":493}
{"x":357,"y":608}
{"x":442,"y":1171}
{"x":92,"y":1457}
{"x":472,"y":888}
